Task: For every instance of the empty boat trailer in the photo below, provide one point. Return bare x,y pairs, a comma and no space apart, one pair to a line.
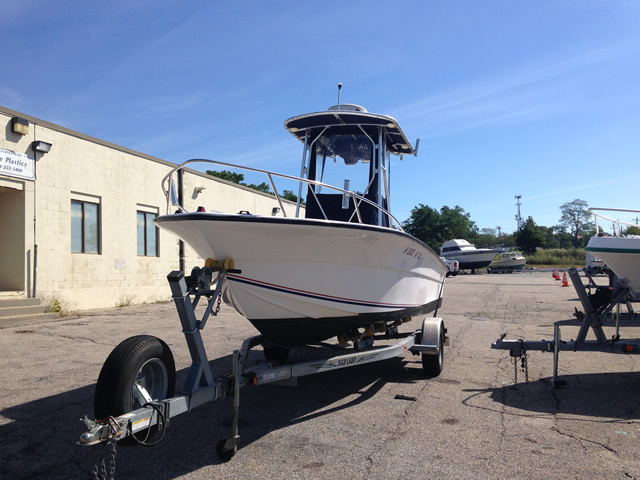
597,309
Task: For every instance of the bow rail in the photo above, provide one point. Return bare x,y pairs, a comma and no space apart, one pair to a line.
168,188
616,223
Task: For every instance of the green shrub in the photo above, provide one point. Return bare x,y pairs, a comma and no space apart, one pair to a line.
559,257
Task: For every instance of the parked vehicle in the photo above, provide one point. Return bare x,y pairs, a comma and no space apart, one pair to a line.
453,266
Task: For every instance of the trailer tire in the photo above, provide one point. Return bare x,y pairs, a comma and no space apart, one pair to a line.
432,365
141,360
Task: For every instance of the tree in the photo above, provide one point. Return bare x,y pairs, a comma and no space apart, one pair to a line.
228,176
455,223
576,219
551,239
434,228
529,237
239,179
486,236
289,195
263,187
424,225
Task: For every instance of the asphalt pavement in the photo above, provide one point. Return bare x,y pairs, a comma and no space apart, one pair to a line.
376,421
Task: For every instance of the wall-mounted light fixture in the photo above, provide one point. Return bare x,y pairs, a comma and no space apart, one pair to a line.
197,191
19,125
275,211
40,146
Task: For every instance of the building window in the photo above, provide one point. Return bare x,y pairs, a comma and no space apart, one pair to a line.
85,227
147,234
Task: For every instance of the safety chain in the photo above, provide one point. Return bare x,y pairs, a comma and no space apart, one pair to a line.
524,365
219,302
101,473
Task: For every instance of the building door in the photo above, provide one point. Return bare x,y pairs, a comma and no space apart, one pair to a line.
12,239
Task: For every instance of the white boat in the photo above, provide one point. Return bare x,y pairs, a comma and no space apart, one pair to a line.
508,261
339,264
467,255
619,252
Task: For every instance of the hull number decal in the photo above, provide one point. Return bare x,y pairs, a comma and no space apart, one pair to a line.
412,252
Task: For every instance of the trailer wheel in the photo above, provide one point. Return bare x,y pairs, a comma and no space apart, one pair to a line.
138,370
432,365
224,452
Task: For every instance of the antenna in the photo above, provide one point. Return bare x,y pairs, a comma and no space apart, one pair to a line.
339,88
518,217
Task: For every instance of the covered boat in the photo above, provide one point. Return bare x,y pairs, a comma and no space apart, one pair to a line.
341,261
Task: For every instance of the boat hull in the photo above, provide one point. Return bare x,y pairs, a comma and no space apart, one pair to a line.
621,255
507,266
304,281
473,259
508,262
466,254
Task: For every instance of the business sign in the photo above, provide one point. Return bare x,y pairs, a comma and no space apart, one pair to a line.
16,165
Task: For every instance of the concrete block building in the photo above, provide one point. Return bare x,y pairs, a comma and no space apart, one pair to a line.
76,217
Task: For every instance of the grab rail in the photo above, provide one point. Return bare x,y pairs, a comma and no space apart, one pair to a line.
616,223
167,185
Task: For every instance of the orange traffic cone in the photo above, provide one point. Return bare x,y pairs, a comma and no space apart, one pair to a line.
564,280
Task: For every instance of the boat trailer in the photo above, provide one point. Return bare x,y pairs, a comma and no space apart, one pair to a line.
131,400
598,307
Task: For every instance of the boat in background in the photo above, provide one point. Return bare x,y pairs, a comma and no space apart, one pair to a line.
469,257
619,252
341,262
508,262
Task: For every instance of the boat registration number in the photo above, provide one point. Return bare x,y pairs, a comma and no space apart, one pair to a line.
412,252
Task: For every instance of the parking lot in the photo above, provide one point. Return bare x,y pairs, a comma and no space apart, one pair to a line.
377,421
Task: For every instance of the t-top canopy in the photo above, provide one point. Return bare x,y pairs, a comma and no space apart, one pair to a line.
349,121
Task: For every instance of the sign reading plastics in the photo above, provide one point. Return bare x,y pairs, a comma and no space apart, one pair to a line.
16,164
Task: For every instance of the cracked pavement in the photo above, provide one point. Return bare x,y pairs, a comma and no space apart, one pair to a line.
376,421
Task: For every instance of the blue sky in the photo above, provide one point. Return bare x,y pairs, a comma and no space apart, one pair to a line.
533,98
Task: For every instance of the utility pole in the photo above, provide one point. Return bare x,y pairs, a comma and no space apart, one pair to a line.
518,217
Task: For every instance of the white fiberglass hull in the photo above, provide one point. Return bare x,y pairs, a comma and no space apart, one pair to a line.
621,255
509,263
470,259
307,280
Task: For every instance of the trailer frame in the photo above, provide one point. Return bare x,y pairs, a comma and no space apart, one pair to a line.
593,318
201,387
